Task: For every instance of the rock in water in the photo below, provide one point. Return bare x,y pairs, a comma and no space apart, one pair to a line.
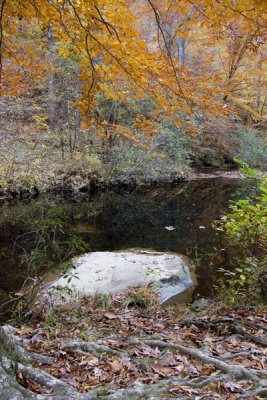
113,272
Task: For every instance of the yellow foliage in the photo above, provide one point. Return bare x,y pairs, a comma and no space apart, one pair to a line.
256,116
109,40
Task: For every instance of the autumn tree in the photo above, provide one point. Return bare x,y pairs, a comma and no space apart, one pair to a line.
117,59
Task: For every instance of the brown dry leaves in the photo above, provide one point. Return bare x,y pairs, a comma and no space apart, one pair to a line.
117,328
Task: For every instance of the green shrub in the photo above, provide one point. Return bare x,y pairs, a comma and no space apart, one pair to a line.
45,239
245,229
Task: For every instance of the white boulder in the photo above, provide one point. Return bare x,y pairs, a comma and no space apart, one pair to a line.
112,272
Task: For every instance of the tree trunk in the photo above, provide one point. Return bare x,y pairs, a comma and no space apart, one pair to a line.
51,86
181,50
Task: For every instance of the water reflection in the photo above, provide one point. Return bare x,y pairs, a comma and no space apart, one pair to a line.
121,220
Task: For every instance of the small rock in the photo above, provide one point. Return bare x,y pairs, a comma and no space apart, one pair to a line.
201,303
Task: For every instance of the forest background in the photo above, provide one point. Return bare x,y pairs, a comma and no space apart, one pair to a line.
129,91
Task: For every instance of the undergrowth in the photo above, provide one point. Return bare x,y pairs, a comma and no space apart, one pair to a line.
245,238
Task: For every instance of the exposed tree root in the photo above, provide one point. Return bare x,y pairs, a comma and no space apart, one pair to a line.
94,348
234,326
234,372
44,379
57,389
235,355
253,338
254,325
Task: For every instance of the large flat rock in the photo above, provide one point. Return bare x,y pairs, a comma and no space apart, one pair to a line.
112,272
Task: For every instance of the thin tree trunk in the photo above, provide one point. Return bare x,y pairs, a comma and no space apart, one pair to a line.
181,50
51,85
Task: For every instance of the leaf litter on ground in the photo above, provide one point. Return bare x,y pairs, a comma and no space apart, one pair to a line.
92,346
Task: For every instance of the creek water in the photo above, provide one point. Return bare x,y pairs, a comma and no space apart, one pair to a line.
118,220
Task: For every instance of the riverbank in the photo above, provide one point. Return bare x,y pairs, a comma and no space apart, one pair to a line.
125,346
74,184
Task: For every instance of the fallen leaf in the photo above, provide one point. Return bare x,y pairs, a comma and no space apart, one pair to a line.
161,370
169,228
115,365
110,315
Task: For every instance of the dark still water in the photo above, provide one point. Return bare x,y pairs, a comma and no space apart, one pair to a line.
114,221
